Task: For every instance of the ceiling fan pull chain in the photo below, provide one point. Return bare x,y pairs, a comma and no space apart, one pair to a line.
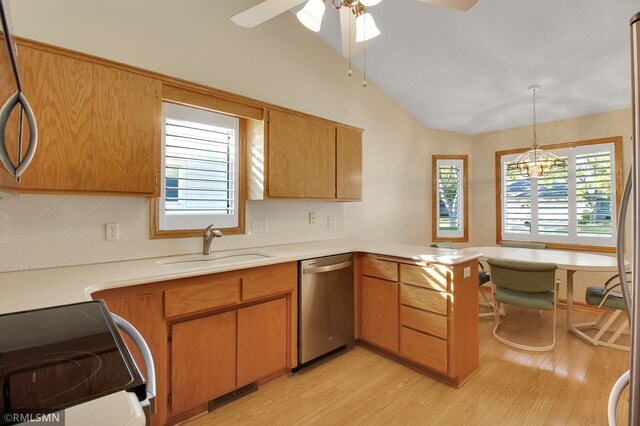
364,59
350,71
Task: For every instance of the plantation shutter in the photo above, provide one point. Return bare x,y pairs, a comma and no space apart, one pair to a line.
450,198
200,184
516,201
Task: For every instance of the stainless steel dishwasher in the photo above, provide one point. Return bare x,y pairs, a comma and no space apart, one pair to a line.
325,296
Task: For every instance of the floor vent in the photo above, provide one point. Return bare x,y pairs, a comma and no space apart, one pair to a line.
232,396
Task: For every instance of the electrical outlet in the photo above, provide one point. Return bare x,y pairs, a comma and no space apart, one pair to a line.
312,218
258,226
331,222
112,231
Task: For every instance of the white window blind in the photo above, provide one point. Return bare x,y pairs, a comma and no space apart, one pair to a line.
574,204
594,189
200,169
450,198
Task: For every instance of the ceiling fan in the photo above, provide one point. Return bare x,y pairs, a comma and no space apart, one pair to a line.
350,10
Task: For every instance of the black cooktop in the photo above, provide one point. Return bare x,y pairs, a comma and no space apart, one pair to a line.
54,358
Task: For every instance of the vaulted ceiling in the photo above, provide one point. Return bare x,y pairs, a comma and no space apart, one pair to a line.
469,71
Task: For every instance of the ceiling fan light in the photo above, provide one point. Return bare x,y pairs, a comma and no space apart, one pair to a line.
311,15
369,2
366,28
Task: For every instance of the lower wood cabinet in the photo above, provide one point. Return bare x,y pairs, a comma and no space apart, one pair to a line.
262,340
423,313
203,360
211,334
380,312
424,349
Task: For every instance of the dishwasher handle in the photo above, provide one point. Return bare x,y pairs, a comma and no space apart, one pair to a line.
328,268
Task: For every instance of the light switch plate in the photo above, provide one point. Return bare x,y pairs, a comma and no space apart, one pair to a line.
312,218
258,226
467,272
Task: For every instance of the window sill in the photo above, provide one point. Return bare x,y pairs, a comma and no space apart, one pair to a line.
157,234
576,247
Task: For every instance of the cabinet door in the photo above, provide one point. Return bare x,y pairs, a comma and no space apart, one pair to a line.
349,164
126,126
59,91
320,148
7,88
203,360
145,312
286,162
262,340
379,309
301,157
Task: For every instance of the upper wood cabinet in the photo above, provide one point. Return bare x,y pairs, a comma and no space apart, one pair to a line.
125,126
7,87
307,157
100,131
301,157
348,163
59,91
98,126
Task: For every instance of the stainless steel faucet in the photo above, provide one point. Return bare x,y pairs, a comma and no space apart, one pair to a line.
207,237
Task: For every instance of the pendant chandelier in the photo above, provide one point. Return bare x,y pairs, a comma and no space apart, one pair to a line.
536,162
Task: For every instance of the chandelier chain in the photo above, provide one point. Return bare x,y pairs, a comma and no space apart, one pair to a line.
535,134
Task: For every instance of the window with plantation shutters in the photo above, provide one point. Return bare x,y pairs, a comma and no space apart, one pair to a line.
200,169
449,198
574,204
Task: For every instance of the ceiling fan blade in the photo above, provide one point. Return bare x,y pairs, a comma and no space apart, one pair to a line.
262,12
453,4
349,37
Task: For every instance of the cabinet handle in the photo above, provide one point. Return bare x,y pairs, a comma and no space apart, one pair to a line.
328,268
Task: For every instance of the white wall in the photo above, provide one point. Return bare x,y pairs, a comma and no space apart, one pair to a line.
280,62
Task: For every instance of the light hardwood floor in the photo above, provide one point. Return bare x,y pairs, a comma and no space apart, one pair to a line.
569,385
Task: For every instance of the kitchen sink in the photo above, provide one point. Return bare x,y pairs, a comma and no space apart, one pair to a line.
201,261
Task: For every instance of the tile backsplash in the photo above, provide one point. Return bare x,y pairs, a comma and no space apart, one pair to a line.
41,231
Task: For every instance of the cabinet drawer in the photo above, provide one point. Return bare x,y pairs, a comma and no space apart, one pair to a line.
423,349
201,297
380,269
429,300
424,321
424,276
270,280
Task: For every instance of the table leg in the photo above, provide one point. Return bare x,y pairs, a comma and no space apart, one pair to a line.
571,327
570,300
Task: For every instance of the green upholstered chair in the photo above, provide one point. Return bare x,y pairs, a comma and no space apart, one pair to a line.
526,284
612,323
523,244
483,276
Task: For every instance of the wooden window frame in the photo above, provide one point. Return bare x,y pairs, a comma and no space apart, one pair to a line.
434,197
206,102
617,142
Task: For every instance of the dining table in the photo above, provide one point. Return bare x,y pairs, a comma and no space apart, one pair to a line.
567,260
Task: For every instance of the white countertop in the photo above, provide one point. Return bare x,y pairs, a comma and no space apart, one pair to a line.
33,289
